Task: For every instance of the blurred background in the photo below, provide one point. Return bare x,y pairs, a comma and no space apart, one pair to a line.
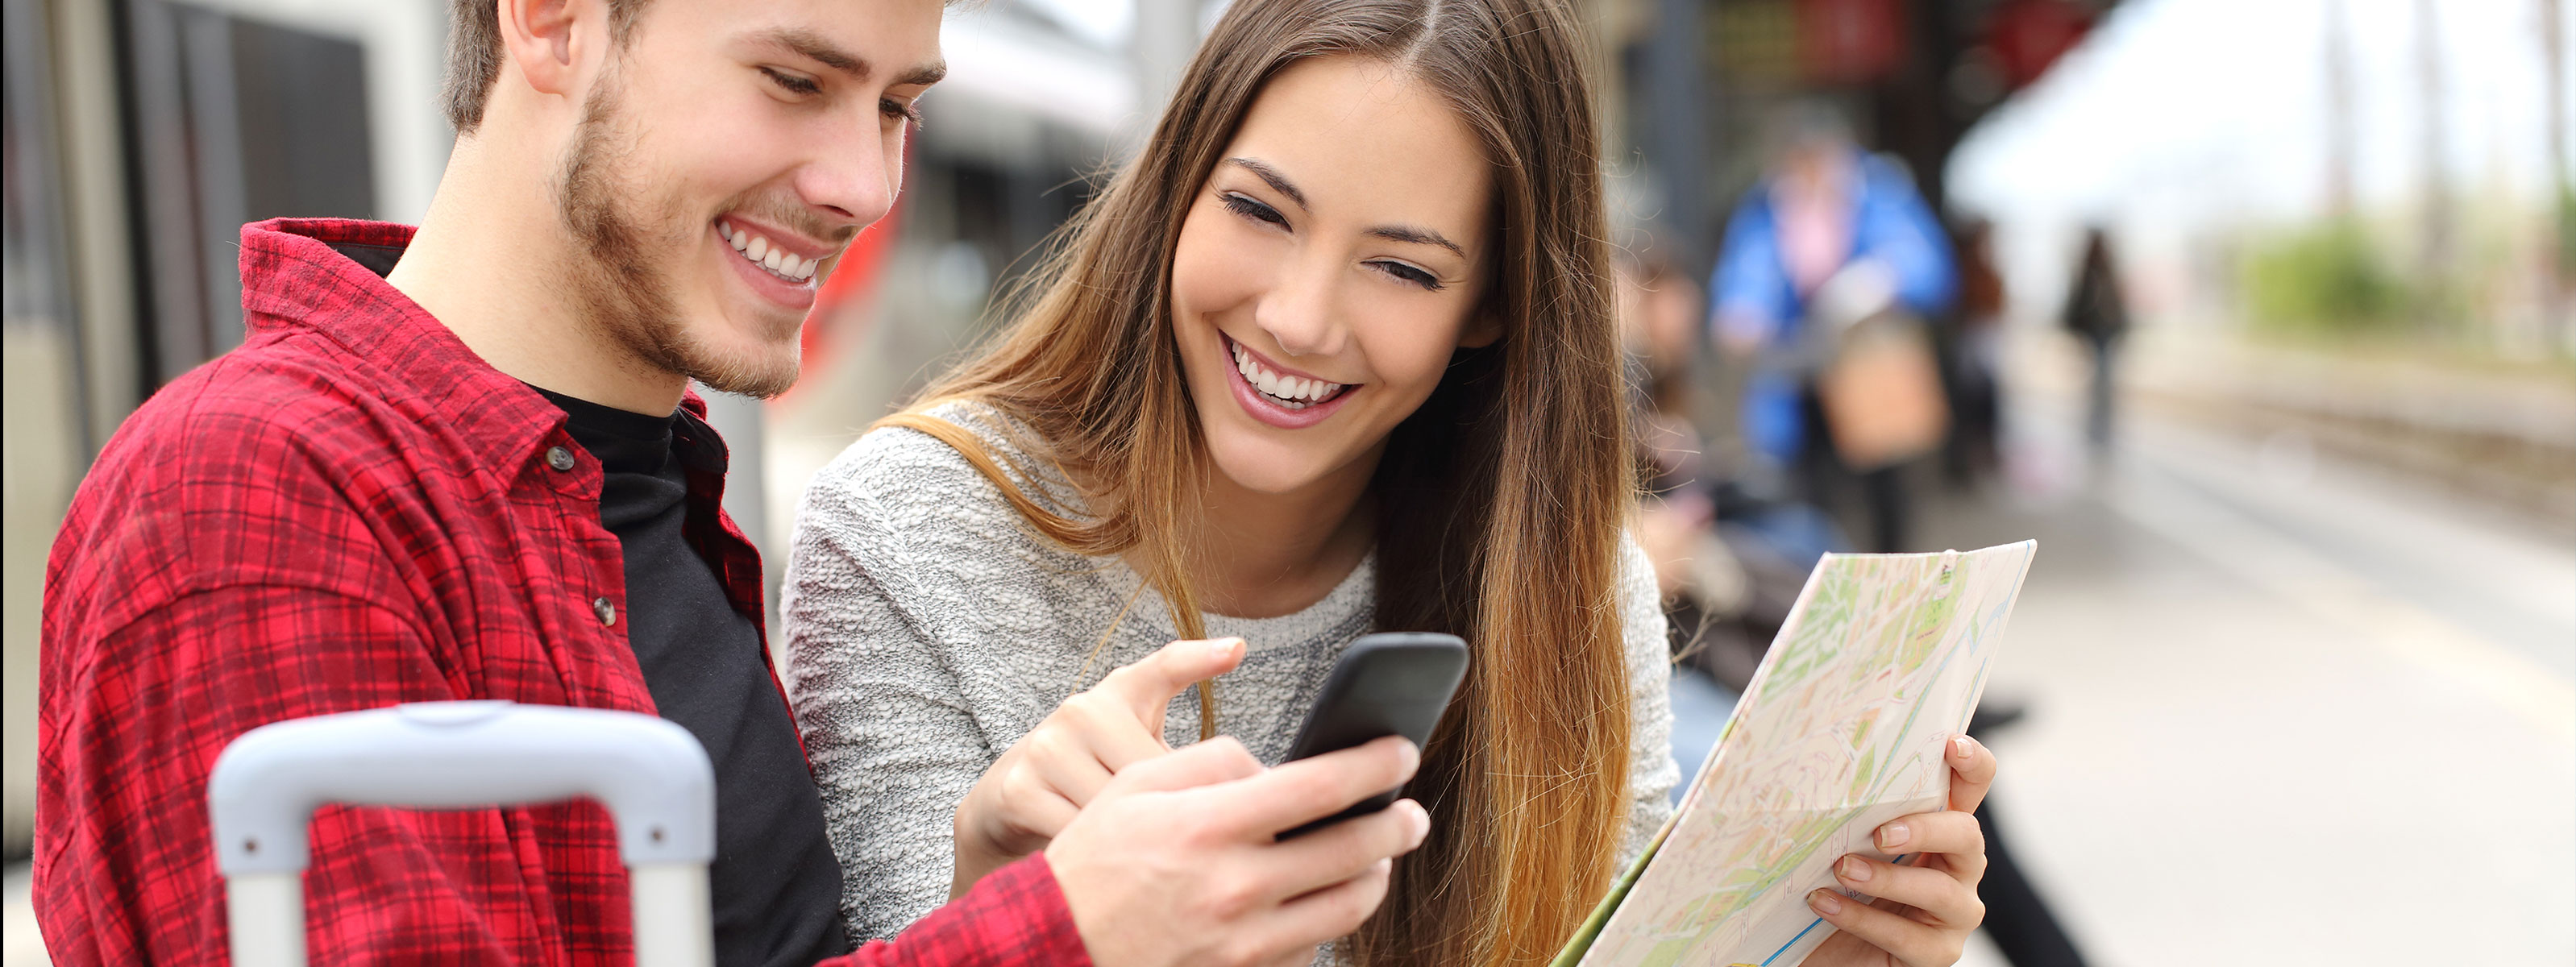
2260,315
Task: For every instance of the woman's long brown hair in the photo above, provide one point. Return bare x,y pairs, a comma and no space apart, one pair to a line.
1500,501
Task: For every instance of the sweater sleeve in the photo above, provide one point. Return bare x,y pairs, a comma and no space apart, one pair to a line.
887,726
1652,773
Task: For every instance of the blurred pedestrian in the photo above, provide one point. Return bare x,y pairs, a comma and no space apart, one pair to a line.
1974,358
1829,265
2098,315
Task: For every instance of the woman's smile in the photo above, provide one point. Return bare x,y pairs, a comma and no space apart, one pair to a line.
1279,396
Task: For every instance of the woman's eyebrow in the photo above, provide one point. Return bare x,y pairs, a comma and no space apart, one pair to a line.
1419,236
1400,233
1278,182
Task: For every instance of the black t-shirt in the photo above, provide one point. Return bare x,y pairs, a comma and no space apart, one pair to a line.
776,886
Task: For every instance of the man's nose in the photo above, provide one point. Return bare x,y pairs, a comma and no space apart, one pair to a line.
1298,311
854,174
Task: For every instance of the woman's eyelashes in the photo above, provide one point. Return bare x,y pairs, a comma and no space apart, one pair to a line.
1256,211
1253,210
1410,274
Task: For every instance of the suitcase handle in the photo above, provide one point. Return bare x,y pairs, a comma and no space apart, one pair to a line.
650,773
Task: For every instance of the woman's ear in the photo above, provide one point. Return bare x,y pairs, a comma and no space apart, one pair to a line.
548,40
1482,330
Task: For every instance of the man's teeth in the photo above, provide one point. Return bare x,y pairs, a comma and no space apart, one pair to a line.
1294,392
780,262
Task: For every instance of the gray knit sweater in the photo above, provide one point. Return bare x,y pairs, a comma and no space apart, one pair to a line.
929,629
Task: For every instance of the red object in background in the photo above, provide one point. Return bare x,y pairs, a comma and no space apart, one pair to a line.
2026,36
855,275
853,279
1850,41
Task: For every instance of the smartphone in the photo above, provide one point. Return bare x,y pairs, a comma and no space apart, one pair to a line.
1394,683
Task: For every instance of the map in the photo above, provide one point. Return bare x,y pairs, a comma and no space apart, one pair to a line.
1879,664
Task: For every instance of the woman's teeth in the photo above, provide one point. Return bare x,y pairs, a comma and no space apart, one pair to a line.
1291,392
778,261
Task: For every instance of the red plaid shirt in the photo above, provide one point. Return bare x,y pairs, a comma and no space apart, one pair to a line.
353,510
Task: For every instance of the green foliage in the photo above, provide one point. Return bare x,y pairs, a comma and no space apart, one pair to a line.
2325,280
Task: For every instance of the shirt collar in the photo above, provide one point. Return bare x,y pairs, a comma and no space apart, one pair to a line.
296,278
293,280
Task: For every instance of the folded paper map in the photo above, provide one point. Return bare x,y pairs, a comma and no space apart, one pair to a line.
1842,728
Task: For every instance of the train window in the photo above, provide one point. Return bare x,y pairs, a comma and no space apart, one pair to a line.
44,430
233,120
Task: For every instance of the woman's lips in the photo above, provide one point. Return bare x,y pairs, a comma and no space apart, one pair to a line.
1271,410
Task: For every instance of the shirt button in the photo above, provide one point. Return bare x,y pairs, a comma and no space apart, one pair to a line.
559,458
606,611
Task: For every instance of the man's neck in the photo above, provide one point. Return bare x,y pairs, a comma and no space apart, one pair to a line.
487,264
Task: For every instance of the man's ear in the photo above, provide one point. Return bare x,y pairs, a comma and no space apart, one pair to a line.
1482,330
550,41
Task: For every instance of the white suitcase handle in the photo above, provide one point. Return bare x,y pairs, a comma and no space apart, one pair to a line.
650,773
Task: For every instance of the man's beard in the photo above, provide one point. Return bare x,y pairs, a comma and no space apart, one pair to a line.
625,290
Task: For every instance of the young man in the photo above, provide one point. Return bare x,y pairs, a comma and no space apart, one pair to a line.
462,462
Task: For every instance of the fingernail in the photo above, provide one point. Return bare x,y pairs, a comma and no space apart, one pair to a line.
1854,870
1222,648
1962,746
1421,823
1825,902
1892,836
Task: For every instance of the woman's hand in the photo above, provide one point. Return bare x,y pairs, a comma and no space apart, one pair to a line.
1034,789
1926,906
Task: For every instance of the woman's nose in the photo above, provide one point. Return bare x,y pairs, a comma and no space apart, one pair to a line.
1298,313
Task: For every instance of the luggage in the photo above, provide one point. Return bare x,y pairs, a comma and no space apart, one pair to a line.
651,774
1882,394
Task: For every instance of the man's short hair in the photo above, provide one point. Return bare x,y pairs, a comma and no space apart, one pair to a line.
474,53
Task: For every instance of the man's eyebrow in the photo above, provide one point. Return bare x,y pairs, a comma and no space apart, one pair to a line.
1422,236
815,47
924,75
1278,182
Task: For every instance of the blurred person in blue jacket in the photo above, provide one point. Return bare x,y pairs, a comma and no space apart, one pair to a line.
1829,237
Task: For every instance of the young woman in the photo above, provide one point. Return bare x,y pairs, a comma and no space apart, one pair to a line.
1334,354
